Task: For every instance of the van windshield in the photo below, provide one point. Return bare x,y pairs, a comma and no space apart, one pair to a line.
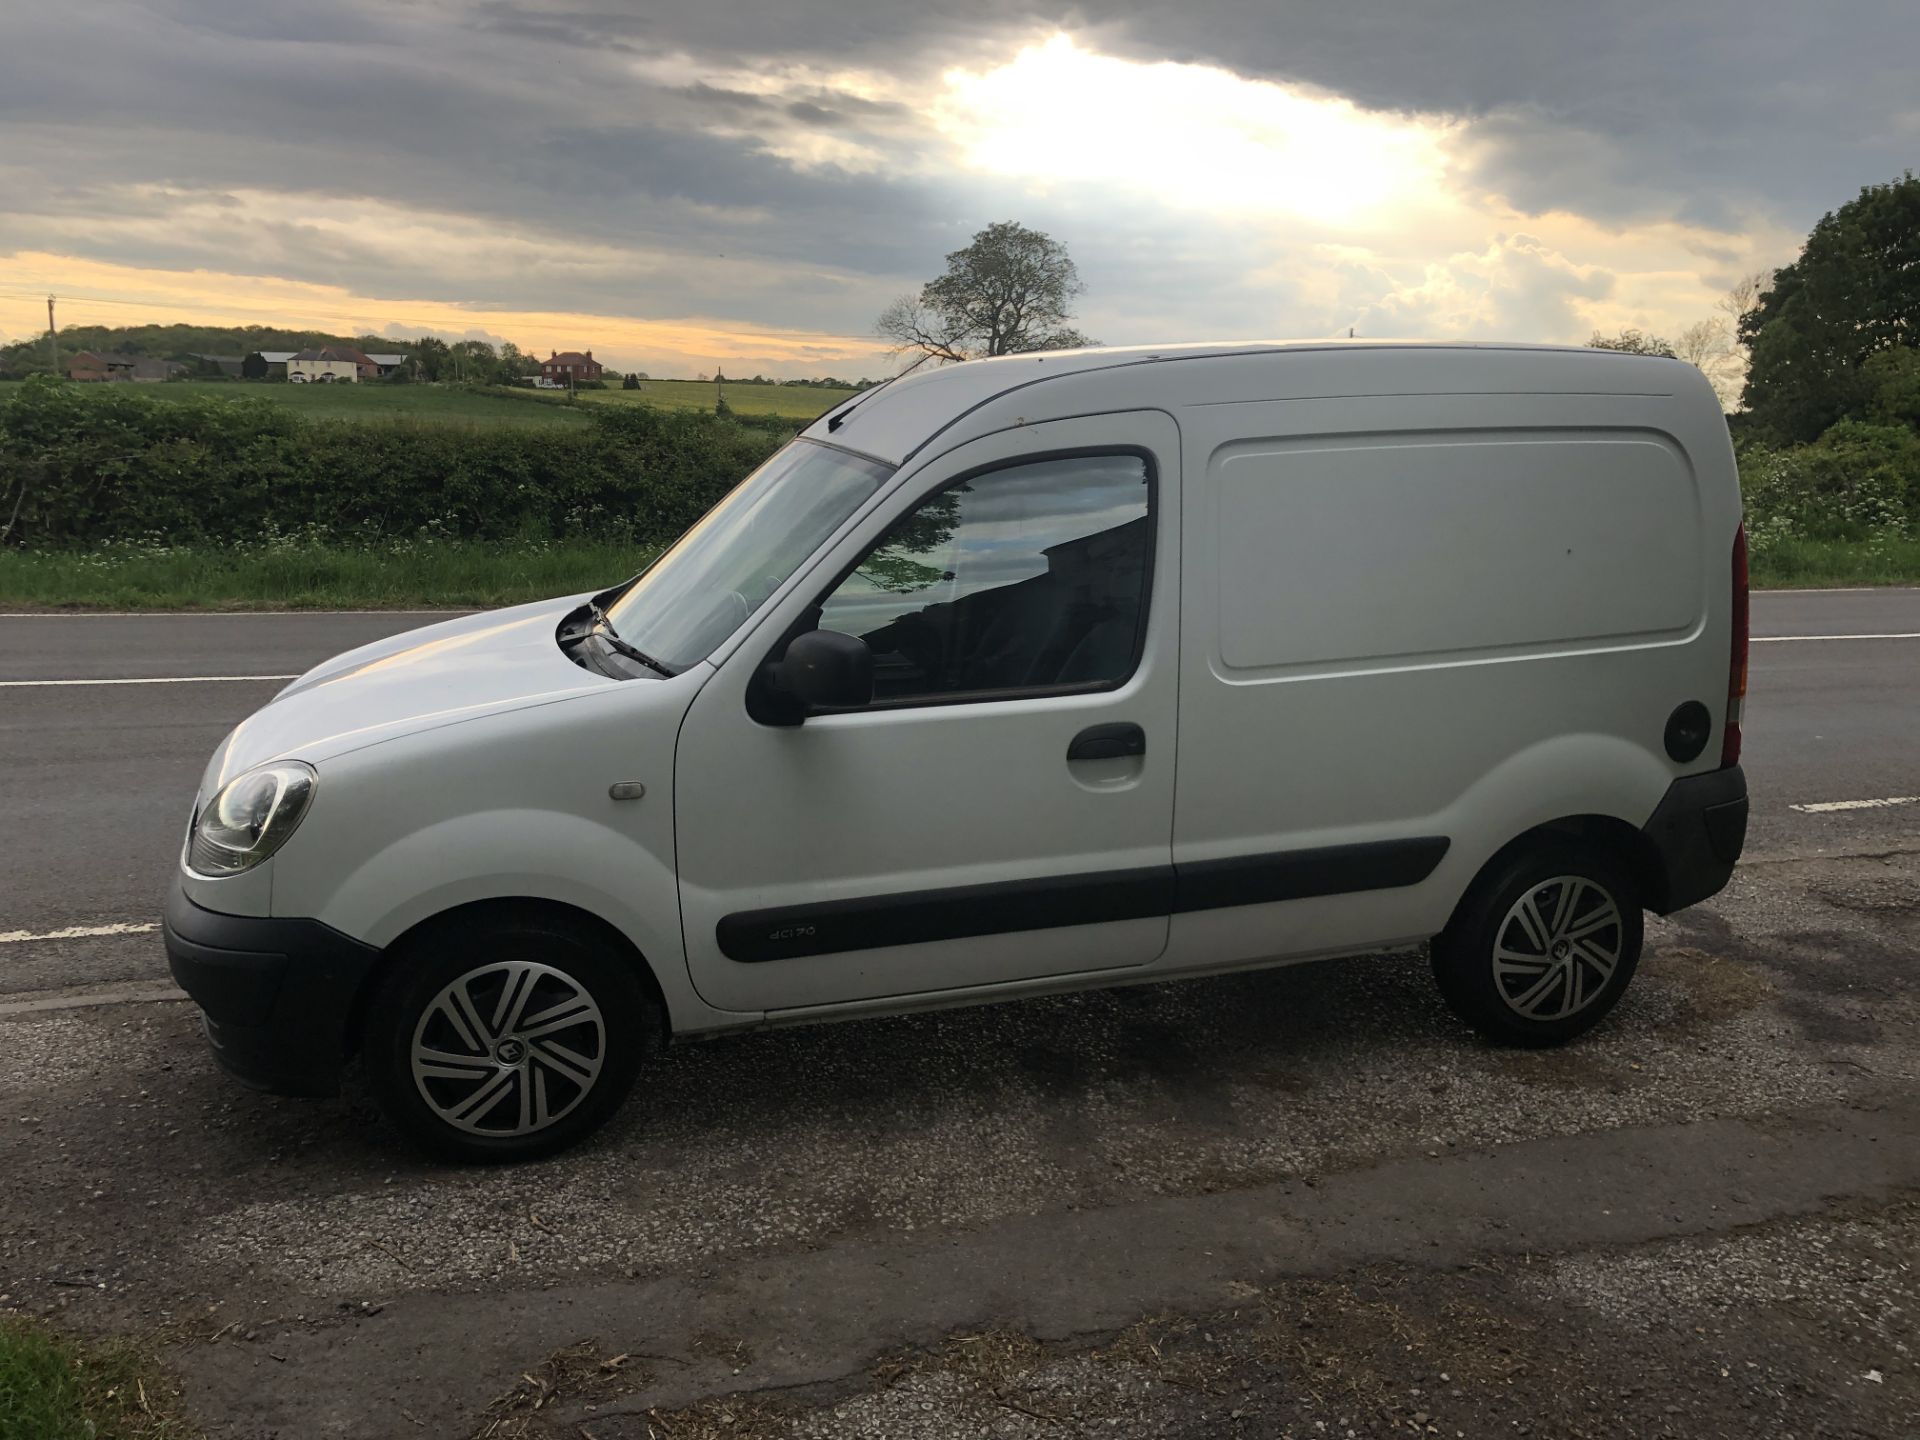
722,570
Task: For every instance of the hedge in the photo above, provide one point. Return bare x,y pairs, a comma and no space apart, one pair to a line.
1856,483
78,469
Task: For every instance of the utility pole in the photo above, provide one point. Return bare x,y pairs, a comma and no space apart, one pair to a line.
53,336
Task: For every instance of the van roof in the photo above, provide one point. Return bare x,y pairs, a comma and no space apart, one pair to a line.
893,421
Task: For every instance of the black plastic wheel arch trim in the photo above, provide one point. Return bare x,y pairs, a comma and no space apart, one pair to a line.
917,917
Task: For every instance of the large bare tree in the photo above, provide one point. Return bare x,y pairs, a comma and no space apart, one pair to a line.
1008,292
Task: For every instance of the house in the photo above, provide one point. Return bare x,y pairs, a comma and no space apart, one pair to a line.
105,365
568,367
331,364
100,365
387,364
266,365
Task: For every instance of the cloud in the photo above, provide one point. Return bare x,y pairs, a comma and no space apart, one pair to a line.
1223,167
1516,286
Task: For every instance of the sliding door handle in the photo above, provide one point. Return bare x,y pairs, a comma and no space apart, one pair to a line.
1108,742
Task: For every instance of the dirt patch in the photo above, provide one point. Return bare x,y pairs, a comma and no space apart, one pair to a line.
1800,1328
1718,987
578,1374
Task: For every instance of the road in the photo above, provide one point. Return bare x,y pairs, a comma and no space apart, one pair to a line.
98,777
1183,1210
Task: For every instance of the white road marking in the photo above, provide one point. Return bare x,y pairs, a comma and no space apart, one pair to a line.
1822,807
144,680
158,990
1776,639
77,932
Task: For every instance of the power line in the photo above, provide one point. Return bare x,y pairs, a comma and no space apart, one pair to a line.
90,299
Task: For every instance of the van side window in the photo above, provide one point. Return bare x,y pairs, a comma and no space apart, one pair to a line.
1029,578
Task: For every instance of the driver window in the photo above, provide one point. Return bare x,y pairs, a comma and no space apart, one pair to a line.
1028,578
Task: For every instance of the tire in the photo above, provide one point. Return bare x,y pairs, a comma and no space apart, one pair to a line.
506,1039
1538,974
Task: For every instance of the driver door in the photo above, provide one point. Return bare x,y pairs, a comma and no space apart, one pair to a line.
1003,810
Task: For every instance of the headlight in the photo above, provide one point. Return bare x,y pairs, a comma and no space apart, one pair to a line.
250,818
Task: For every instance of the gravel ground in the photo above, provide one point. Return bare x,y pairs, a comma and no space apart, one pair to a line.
1804,1328
1242,1160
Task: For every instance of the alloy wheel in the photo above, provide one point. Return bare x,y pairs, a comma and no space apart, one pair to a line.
1557,948
508,1049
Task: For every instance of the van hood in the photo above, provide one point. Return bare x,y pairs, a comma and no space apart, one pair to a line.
437,675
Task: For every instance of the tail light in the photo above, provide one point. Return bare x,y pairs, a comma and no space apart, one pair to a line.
1737,655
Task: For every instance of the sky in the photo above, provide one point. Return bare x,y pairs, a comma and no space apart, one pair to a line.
682,184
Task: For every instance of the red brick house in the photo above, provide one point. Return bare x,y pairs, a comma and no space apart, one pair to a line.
568,366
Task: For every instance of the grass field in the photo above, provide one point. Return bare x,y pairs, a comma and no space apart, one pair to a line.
311,576
795,402
391,404
451,405
1813,564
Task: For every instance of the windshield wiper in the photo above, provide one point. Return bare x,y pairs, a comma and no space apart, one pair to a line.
608,636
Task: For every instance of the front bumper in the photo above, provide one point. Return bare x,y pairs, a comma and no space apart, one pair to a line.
1698,832
277,995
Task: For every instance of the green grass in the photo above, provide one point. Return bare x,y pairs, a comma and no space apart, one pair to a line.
1814,564
793,402
54,1388
460,406
378,403
312,575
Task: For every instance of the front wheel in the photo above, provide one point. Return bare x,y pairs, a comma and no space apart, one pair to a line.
1543,945
506,1041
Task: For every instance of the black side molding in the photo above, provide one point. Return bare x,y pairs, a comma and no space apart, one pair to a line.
1301,874
918,916
914,917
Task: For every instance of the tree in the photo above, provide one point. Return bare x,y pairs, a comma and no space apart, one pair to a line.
1008,292
515,364
1854,291
1708,346
632,382
1632,342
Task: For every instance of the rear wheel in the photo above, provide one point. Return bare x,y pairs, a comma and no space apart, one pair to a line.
506,1041
1543,945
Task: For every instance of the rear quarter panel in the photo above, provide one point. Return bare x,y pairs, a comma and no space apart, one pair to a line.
1461,614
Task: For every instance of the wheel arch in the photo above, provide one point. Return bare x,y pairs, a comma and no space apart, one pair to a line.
499,909
1626,844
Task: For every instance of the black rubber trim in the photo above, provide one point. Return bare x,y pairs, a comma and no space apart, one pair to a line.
916,917
1302,874
1698,832
276,993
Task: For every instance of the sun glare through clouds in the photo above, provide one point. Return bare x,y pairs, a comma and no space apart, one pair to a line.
1198,135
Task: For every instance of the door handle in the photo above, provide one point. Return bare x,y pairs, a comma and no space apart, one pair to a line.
1108,742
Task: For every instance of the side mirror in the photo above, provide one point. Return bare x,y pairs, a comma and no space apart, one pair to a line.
822,670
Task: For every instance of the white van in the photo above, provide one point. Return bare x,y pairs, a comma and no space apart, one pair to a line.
1025,675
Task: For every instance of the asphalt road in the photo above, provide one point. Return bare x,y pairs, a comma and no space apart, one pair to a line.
96,780
1299,1202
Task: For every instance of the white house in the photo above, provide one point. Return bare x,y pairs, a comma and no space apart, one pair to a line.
322,367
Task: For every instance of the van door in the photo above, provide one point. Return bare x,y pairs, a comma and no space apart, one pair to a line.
1003,810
